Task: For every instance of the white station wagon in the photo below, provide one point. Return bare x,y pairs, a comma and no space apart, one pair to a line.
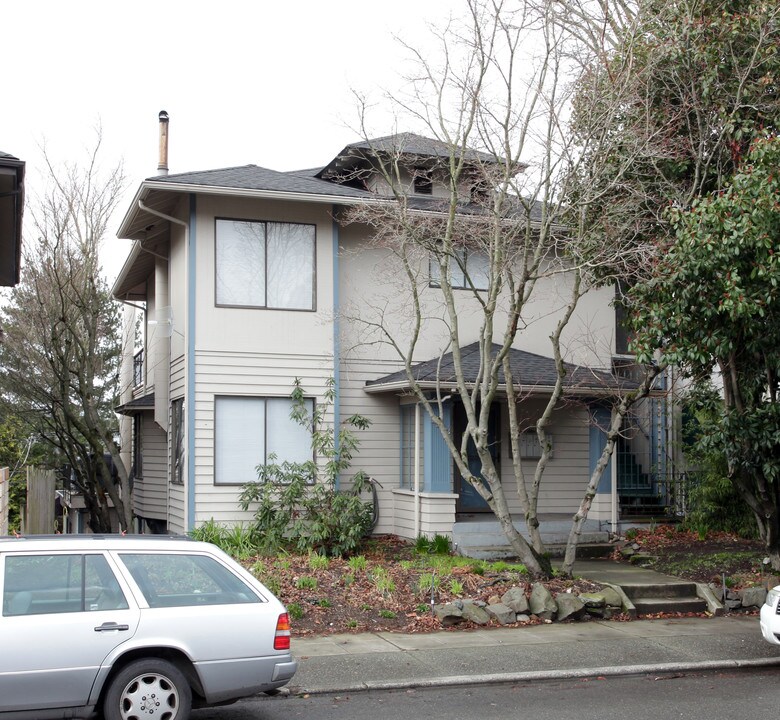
135,627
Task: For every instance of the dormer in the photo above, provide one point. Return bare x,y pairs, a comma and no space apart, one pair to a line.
420,166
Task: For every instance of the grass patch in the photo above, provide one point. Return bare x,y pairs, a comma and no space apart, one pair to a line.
295,610
306,583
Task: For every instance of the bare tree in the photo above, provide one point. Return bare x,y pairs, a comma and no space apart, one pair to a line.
497,106
60,347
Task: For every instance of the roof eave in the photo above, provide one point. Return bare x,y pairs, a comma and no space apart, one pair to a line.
400,386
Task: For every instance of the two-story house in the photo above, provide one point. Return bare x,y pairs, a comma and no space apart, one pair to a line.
244,279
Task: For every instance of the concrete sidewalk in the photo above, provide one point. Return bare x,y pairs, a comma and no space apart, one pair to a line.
350,663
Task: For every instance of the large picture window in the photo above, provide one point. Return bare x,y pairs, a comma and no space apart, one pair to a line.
265,264
477,265
248,431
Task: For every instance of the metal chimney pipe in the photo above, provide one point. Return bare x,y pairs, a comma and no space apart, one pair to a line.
162,165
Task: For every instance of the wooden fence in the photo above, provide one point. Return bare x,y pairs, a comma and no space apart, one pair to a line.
5,491
39,515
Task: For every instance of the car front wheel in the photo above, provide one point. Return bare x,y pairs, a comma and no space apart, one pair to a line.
151,688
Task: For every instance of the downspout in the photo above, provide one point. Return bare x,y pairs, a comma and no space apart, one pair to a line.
417,470
336,340
614,504
189,355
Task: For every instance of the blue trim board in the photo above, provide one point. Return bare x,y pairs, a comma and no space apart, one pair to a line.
437,462
336,338
600,418
189,404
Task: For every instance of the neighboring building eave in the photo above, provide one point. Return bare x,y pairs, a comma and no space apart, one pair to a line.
11,213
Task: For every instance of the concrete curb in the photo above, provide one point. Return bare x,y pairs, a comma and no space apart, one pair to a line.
541,675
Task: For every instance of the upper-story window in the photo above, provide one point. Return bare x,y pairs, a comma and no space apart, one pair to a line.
265,264
423,183
477,270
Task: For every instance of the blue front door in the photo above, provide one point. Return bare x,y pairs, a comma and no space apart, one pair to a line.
469,500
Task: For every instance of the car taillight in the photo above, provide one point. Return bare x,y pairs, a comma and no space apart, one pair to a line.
282,636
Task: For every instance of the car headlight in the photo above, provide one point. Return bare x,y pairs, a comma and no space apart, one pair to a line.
772,596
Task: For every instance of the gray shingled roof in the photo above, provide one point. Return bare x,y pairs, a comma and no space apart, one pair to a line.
145,402
254,177
528,370
417,145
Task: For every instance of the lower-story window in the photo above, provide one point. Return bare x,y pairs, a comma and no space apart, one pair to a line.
252,431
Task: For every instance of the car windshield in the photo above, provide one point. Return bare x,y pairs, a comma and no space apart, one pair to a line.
179,580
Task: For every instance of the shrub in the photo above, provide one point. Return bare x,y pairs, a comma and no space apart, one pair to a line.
300,503
318,562
295,610
237,540
357,563
437,545
306,583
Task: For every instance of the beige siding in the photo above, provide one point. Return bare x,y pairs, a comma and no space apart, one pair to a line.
436,514
375,290
379,452
150,492
249,374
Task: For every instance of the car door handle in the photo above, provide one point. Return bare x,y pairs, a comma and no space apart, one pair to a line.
109,626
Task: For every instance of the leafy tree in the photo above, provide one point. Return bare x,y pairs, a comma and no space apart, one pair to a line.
713,501
671,99
18,449
300,503
60,345
715,303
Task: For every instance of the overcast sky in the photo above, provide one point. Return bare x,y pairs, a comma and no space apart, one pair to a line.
249,81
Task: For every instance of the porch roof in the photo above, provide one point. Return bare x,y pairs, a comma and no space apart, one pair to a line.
139,404
532,373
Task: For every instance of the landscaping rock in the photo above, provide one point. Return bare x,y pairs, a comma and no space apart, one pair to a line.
449,614
753,597
593,600
612,597
542,603
523,618
569,606
475,613
504,614
515,598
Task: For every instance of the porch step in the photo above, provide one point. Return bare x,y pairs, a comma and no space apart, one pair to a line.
665,597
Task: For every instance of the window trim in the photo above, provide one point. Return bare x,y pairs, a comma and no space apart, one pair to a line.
177,441
464,286
138,451
218,304
265,398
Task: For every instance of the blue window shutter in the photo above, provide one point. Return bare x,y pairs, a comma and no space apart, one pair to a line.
437,463
599,419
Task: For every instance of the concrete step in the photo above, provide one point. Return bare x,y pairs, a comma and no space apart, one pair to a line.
664,597
660,590
651,605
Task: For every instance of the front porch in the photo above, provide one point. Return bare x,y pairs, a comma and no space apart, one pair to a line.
480,536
